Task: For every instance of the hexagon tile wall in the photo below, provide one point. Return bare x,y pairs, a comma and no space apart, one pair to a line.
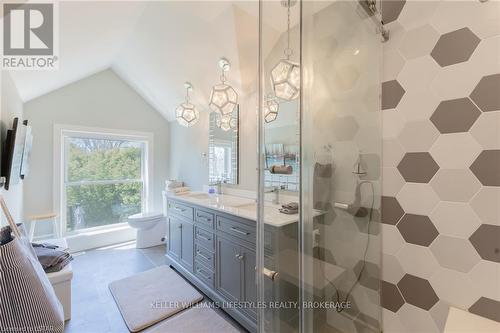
441,223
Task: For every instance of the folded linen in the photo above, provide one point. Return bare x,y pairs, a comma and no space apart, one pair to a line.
289,211
51,257
179,190
291,206
171,184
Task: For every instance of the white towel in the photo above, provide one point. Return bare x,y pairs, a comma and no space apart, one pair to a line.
171,184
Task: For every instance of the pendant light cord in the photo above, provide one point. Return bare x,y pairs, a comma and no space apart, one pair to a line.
288,51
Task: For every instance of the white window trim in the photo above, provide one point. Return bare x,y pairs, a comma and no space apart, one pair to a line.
61,131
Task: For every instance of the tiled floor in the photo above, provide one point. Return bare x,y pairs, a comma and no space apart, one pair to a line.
94,310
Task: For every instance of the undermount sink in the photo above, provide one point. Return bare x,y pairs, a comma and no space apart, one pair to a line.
199,196
252,206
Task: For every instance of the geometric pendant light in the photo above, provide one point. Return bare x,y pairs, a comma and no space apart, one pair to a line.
226,122
285,76
223,99
271,108
186,114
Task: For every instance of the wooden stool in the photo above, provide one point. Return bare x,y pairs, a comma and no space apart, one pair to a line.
36,218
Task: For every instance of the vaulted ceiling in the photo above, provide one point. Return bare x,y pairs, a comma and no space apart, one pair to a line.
156,46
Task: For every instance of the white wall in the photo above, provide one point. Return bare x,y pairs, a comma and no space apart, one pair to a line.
102,100
12,106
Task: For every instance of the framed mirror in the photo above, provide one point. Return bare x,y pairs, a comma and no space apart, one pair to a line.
223,148
282,146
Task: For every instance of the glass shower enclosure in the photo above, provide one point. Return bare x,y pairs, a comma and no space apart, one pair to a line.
319,147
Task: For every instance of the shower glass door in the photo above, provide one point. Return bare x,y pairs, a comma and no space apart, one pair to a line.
321,265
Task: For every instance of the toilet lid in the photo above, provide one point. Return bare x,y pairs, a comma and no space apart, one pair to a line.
145,216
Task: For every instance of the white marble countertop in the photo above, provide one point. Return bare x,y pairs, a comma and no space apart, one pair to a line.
239,206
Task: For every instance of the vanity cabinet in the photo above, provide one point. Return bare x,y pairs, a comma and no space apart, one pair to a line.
216,251
180,245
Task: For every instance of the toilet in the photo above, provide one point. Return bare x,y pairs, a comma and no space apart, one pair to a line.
150,229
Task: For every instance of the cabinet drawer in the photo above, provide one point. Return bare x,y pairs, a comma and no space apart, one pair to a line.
204,219
204,256
180,210
204,238
204,274
236,228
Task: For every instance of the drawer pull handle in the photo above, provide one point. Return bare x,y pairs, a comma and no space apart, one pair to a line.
208,239
239,256
203,256
180,209
240,231
199,271
207,219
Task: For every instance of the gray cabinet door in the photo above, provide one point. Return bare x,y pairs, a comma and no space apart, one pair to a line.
228,269
249,286
187,245
174,237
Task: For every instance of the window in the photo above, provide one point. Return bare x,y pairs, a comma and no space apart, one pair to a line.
104,179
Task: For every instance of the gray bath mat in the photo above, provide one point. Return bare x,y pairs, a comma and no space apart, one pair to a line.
194,320
152,296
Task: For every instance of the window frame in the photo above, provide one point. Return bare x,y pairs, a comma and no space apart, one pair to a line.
61,132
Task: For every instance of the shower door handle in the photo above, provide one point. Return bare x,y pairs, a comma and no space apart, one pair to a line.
273,275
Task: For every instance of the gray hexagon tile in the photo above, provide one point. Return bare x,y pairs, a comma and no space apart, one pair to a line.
457,185
417,292
418,136
417,13
486,130
486,275
418,73
416,320
391,269
391,10
345,128
369,274
418,42
486,307
392,153
418,104
486,204
455,150
455,219
391,210
455,287
417,198
486,167
393,63
455,253
390,297
455,115
485,95
393,242
417,260
392,92
392,181
417,229
486,241
455,47
418,167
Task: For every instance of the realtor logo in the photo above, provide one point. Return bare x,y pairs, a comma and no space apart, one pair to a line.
29,36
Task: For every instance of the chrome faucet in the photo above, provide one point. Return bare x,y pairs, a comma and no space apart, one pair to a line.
217,183
276,191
